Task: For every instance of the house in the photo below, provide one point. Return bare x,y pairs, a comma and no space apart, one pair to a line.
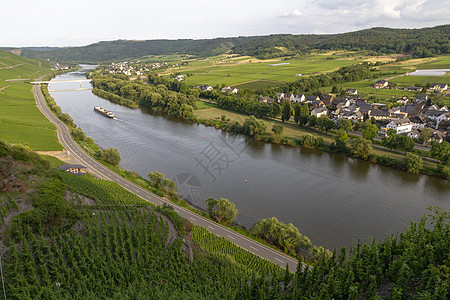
205,87
317,103
289,97
312,98
267,100
320,111
351,91
381,84
400,126
413,88
229,89
414,134
326,99
403,100
444,125
438,87
280,96
350,115
299,98
380,114
420,98
73,169
438,136
419,122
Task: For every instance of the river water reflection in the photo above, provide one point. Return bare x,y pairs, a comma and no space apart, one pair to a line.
332,199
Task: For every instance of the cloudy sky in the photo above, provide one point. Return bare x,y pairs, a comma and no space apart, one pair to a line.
82,22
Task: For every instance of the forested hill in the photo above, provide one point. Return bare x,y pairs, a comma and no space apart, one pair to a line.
416,42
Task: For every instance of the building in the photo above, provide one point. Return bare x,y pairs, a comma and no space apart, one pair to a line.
381,84
400,125
205,87
351,91
413,88
73,169
229,89
438,87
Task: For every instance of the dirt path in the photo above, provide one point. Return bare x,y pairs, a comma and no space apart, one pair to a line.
10,67
4,87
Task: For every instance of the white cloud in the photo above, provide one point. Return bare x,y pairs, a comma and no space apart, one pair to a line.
294,14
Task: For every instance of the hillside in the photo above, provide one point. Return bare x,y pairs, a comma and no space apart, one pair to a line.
416,42
29,126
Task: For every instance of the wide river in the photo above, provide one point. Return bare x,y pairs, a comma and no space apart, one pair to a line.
332,199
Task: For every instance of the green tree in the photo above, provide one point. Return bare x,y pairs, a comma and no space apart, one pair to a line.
370,132
277,129
158,181
425,135
312,120
297,112
325,123
223,210
413,163
341,140
361,148
320,254
275,109
286,114
344,124
254,127
111,156
79,134
440,150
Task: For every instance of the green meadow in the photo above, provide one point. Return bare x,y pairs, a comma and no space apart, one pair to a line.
239,70
20,120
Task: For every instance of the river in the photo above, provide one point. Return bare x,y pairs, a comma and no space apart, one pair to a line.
332,199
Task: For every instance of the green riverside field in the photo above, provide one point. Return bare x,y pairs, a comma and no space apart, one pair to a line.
20,120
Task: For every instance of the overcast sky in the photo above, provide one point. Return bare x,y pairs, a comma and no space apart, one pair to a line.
82,22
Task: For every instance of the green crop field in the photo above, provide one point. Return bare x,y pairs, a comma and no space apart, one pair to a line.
442,62
20,120
258,84
234,71
420,80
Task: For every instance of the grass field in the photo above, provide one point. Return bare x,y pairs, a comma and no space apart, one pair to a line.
20,120
258,84
237,70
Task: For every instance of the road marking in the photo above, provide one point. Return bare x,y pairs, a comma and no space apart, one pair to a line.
279,260
253,248
193,219
231,237
210,227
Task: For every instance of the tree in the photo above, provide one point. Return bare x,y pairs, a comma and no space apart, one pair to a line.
412,163
320,254
341,140
325,123
223,210
308,141
370,132
254,127
312,120
404,143
440,150
158,181
276,109
79,134
304,114
297,112
111,156
286,114
361,148
425,135
277,129
344,124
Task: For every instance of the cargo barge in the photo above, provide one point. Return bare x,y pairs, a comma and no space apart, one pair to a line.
104,112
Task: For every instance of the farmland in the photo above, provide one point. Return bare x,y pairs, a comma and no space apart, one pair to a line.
20,120
231,70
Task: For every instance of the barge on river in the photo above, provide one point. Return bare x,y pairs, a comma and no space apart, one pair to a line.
104,112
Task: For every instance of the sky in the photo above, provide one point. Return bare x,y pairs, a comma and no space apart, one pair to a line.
82,22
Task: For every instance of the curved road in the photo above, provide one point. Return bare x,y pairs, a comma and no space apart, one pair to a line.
103,172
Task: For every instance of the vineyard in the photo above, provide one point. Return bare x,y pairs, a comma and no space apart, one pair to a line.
224,248
103,192
6,206
119,254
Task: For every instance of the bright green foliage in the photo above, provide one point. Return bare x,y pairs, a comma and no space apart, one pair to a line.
370,132
223,210
254,127
277,129
325,123
284,236
224,248
110,155
320,254
413,265
412,163
344,124
158,181
103,192
361,148
286,114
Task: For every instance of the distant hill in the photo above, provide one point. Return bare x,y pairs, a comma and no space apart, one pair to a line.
416,42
